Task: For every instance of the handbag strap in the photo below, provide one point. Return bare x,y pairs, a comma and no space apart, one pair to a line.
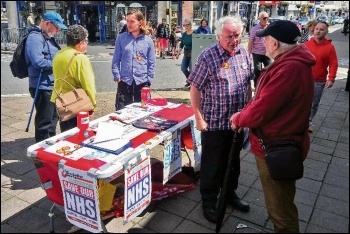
65,74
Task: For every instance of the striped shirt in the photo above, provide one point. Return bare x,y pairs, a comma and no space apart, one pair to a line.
223,81
258,46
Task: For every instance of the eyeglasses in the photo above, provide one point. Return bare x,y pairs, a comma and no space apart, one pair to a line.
230,38
186,25
55,25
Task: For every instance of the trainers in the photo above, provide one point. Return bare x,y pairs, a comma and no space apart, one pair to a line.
187,85
311,129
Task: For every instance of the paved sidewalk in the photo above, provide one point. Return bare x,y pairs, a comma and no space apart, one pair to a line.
322,195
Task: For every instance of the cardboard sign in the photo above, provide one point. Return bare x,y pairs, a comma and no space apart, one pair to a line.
138,187
81,204
172,156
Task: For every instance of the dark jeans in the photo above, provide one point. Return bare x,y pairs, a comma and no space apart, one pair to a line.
128,94
216,146
46,117
69,124
259,60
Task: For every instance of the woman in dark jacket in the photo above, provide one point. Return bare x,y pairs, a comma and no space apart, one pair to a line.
203,28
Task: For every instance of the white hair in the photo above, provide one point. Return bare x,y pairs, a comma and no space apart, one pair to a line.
219,25
286,46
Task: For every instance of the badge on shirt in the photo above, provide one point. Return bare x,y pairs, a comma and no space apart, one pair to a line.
139,58
244,66
225,65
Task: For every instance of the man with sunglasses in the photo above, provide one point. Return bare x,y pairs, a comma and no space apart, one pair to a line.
256,46
40,50
220,87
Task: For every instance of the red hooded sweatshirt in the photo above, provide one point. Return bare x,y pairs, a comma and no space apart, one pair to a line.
325,57
282,104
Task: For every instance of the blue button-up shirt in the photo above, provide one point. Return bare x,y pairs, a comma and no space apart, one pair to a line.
223,81
134,59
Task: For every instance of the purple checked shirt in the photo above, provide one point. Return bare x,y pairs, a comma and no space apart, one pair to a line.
223,81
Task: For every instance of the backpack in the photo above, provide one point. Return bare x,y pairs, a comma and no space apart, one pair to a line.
18,65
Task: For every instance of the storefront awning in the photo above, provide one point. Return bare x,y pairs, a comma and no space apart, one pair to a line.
269,3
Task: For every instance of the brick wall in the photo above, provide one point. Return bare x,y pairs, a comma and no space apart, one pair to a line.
187,10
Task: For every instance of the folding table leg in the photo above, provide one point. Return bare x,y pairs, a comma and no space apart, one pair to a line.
51,216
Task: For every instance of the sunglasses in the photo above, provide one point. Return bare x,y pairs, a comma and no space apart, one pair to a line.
265,18
55,25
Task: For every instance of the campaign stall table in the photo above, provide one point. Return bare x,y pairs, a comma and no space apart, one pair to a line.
78,171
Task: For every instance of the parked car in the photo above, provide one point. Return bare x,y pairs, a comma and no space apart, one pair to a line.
335,20
323,18
303,21
276,18
341,20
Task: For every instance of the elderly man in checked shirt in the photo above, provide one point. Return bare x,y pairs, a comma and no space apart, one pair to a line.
220,86
256,46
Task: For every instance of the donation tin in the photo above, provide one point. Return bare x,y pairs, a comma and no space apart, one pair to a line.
83,123
145,96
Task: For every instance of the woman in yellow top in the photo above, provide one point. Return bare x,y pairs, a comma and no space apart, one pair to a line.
79,74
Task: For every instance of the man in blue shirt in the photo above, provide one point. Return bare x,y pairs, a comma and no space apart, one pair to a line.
134,59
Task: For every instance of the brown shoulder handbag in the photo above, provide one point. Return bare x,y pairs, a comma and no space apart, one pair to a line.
69,104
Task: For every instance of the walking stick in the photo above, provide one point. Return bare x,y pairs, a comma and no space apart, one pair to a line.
34,100
224,190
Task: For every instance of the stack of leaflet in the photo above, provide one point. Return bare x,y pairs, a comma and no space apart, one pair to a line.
108,139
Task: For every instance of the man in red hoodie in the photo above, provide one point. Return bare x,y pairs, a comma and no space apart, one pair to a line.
326,59
280,109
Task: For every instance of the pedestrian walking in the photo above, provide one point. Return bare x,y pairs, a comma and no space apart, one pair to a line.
40,50
133,63
186,46
280,110
220,87
30,20
256,46
72,65
325,69
163,34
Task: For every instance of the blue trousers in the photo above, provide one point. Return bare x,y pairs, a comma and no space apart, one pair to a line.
186,66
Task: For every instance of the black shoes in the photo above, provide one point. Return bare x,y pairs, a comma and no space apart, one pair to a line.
210,213
187,85
236,203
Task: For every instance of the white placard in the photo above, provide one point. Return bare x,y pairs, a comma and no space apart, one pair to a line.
172,156
138,188
197,143
81,203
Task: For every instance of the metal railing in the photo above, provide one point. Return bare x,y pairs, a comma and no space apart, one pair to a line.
10,37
